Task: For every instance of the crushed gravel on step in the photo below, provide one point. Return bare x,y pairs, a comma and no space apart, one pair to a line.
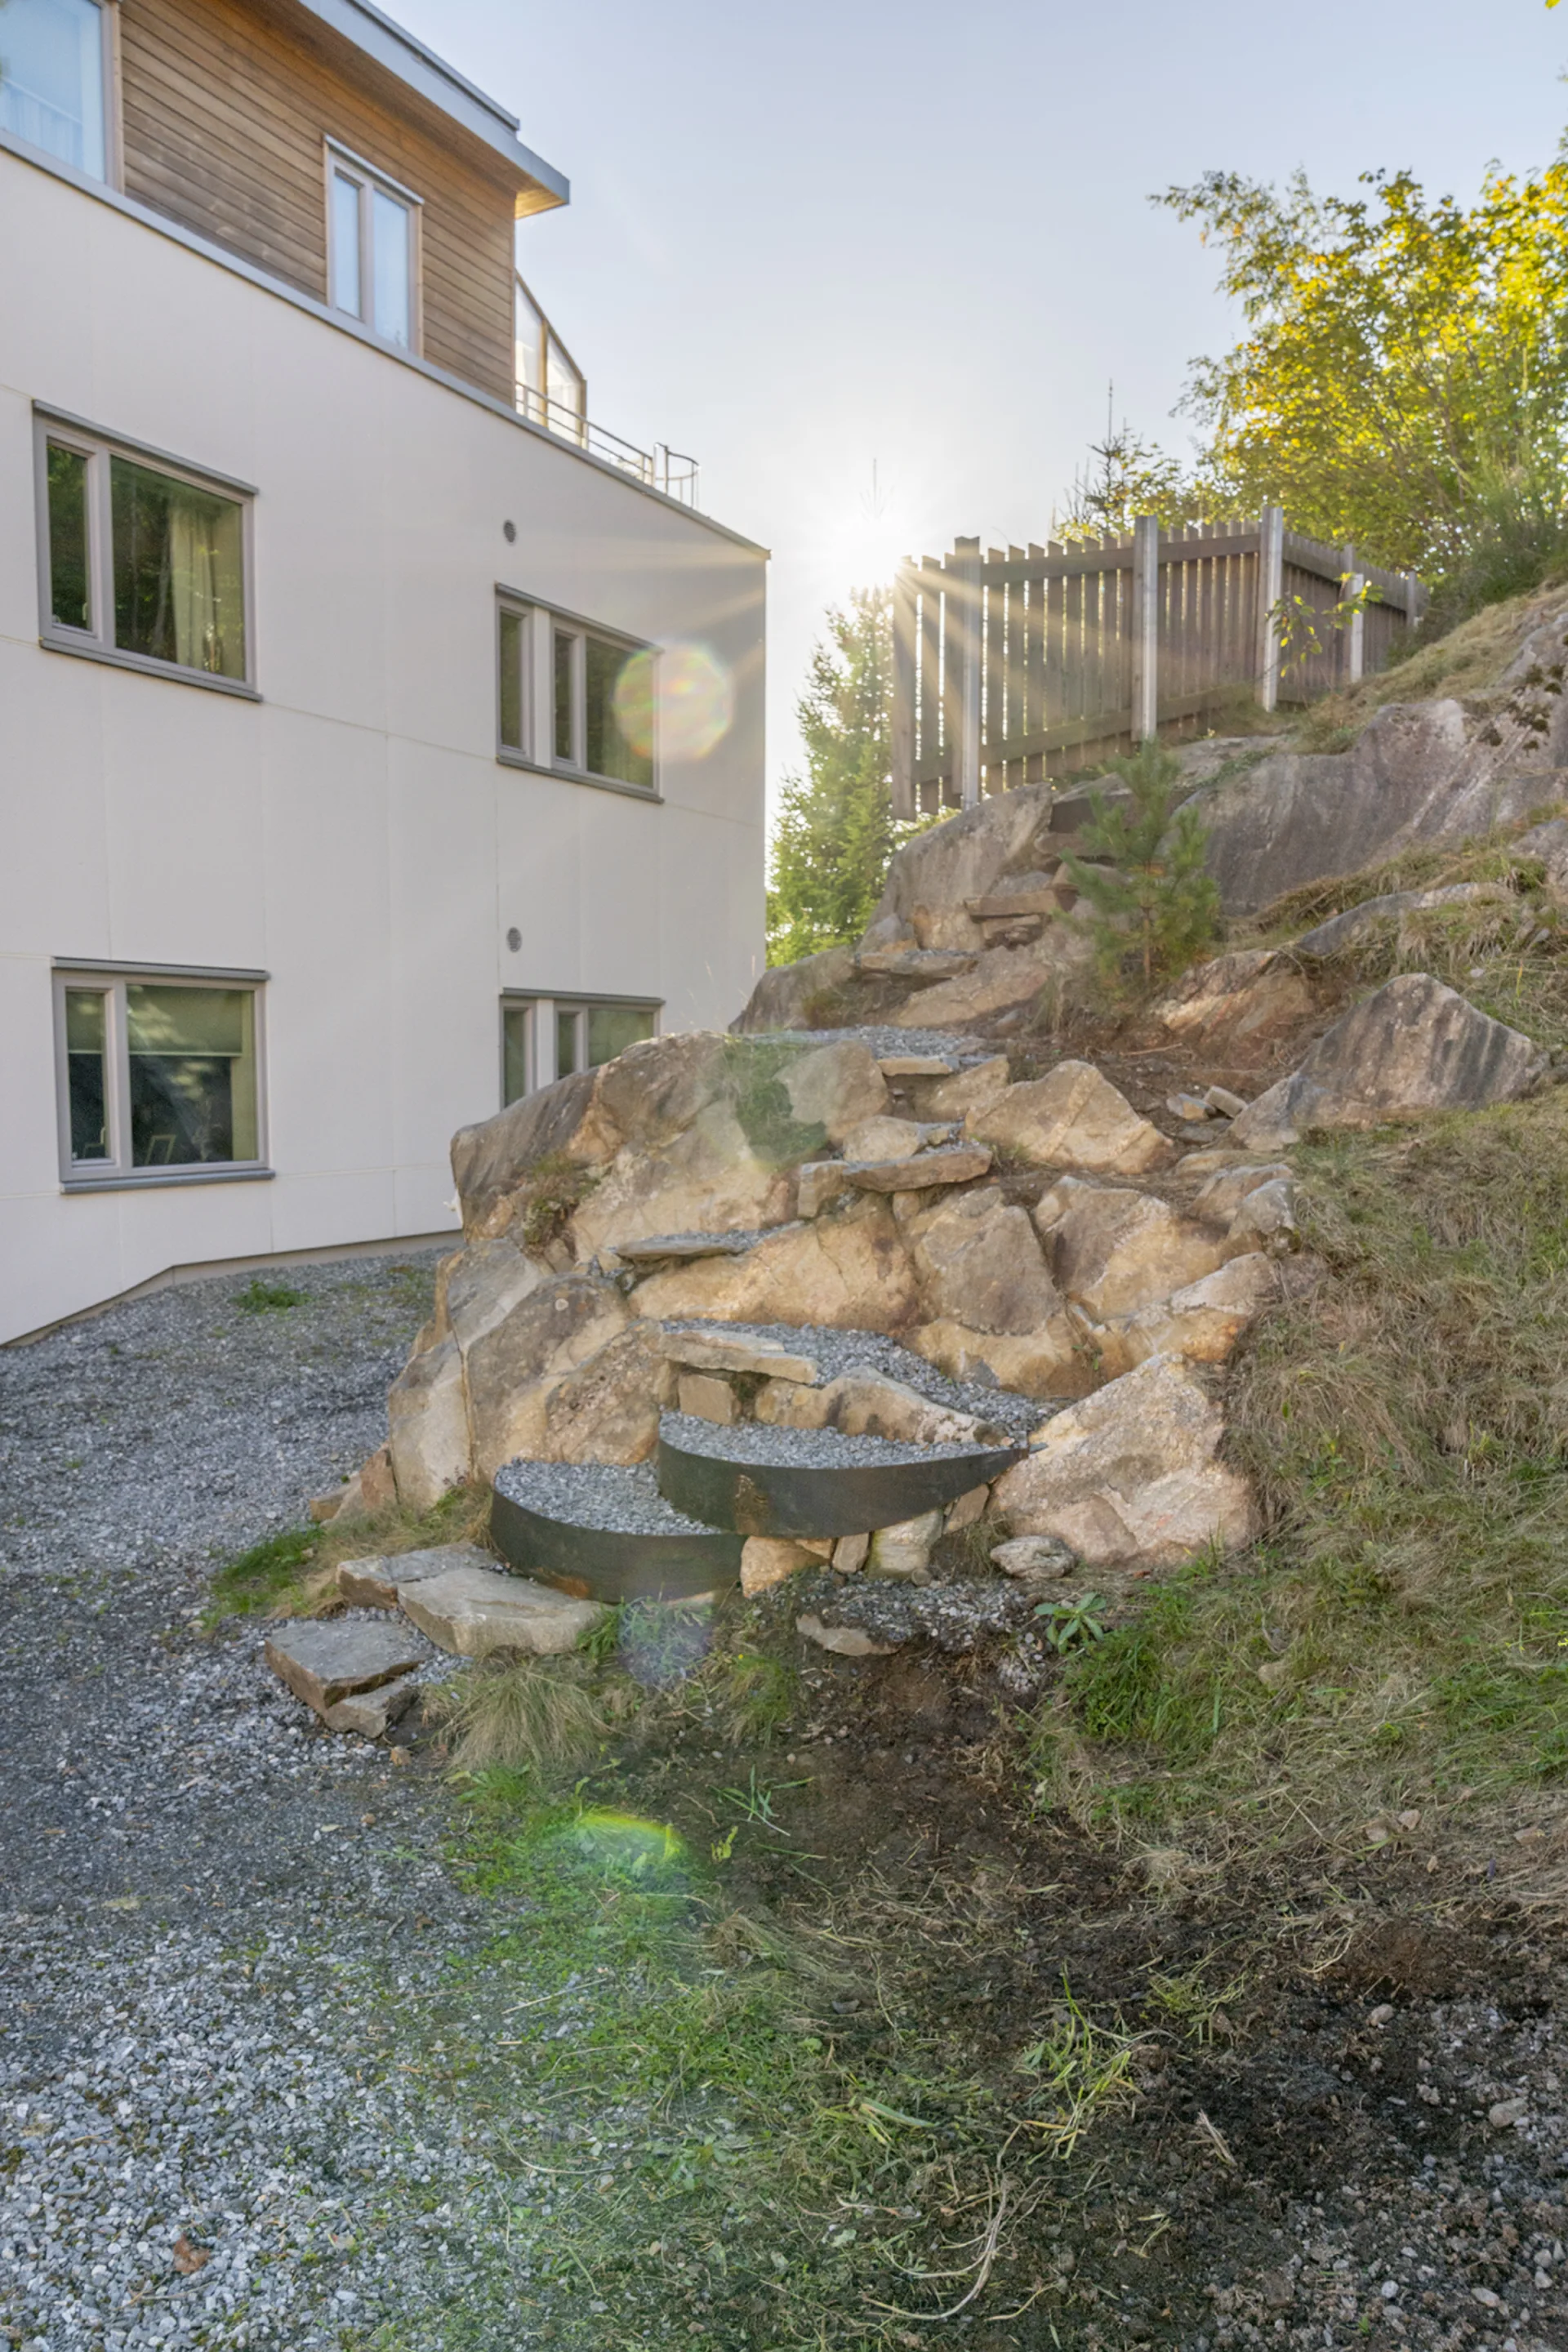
797,1449
836,1352
186,1426
595,1494
885,1042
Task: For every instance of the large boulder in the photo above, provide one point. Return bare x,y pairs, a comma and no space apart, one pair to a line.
427,1426
1072,1118
1413,1046
931,877
835,1087
512,1368
1419,771
1060,958
1048,1363
1234,1000
979,1264
1114,1250
789,995
563,1122
1341,931
707,1179
1201,1323
1129,1476
848,1272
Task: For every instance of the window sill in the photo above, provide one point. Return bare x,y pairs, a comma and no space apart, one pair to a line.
89,649
560,775
153,1180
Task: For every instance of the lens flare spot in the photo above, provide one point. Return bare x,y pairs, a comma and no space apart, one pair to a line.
625,1842
683,700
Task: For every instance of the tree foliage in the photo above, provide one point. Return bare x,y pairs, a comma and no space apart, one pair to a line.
1402,381
1125,476
1154,900
834,832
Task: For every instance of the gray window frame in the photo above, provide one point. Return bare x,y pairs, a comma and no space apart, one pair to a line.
540,1042
541,620
369,177
117,1174
56,427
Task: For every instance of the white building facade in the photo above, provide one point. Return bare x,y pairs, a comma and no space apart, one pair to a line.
369,753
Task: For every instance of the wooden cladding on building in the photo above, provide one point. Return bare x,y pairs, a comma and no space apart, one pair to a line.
227,108
1040,661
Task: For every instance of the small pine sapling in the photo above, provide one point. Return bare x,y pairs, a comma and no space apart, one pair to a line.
1154,895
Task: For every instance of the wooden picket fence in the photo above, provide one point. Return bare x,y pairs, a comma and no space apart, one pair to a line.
1017,666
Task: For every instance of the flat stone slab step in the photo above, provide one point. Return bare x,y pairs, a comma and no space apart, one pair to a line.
605,1532
378,1580
814,1354
472,1611
758,1479
736,1348
325,1663
681,1249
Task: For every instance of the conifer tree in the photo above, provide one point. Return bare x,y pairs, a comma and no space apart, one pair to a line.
1154,900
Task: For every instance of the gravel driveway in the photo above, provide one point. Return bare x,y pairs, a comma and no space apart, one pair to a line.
213,1916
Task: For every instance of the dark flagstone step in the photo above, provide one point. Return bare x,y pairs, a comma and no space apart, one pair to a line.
606,1533
759,1480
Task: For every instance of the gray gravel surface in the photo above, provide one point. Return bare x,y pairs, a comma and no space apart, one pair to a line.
183,1426
836,1352
595,1494
231,1955
810,1449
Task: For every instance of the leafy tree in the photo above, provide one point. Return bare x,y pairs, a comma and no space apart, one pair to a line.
1402,381
834,832
1154,900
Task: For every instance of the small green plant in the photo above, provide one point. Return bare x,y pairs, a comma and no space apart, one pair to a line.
555,1187
1153,899
1082,2068
260,1297
755,1068
1072,1625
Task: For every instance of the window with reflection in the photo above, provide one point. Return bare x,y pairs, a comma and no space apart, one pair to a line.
52,80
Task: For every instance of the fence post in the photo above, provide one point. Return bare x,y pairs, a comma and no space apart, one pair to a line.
967,584
1270,589
903,771
1350,586
1145,628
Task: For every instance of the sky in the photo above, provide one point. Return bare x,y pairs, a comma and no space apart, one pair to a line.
877,265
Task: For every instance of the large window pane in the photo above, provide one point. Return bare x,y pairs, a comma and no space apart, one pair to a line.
345,245
70,583
51,78
514,1021
511,644
86,1044
193,1074
390,258
613,1027
607,752
178,572
565,748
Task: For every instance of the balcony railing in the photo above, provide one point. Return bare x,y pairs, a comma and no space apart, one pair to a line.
659,469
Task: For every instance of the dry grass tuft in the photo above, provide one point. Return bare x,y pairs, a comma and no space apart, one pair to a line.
1466,661
523,1713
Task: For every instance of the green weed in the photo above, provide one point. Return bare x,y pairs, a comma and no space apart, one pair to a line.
260,1297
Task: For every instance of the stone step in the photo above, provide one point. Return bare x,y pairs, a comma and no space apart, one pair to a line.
758,1479
606,1533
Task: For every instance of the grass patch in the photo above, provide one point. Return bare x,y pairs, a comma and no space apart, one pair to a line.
1466,662
755,1067
1403,1630
294,1573
260,1297
555,1188
727,2155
